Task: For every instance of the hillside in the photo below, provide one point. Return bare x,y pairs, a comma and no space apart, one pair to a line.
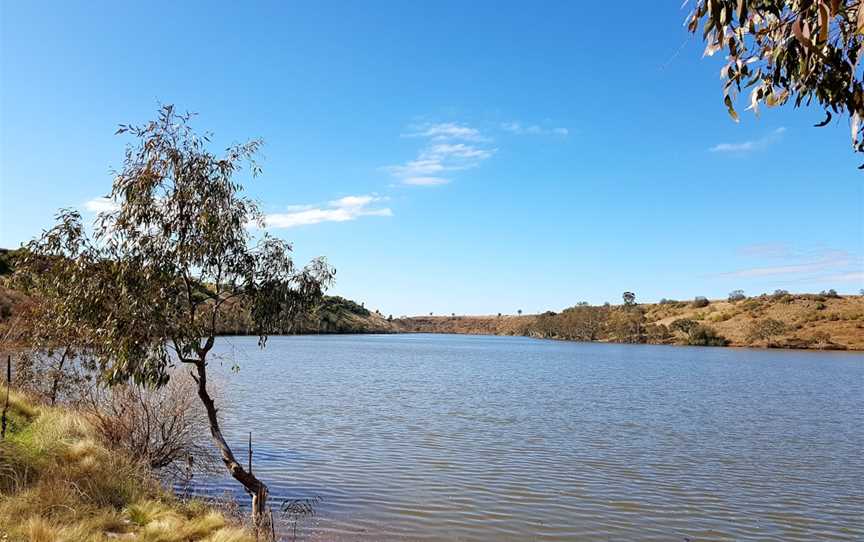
782,320
333,314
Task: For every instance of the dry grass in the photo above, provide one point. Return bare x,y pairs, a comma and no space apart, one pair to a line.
59,483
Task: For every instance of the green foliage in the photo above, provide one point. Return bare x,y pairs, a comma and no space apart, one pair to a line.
700,301
7,261
702,335
340,304
800,50
765,329
736,295
684,325
627,324
629,299
135,295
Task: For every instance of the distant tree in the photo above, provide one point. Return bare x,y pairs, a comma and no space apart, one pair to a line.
684,325
519,312
583,322
627,324
499,315
629,299
703,335
149,290
736,295
765,329
390,318
583,304
452,314
698,334
804,51
700,301
830,293
861,291
430,314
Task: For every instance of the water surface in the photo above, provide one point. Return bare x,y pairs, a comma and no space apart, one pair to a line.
445,437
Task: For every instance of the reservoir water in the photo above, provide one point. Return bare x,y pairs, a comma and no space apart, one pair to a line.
445,437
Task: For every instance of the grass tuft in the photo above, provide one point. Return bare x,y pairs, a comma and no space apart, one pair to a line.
59,483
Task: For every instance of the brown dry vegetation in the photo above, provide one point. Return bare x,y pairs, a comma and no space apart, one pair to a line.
808,321
59,482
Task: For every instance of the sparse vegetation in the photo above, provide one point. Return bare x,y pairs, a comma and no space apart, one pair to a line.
700,301
765,329
703,335
60,482
803,315
736,295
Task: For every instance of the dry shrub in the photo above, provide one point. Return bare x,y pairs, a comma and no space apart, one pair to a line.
60,483
165,428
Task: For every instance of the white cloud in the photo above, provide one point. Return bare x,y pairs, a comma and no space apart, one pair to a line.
339,210
446,130
416,167
425,181
532,129
101,205
449,147
751,145
444,151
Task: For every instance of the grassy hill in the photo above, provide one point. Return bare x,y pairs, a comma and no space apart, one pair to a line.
782,320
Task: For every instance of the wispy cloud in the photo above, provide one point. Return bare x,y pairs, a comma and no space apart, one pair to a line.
100,205
445,130
339,210
784,262
751,145
425,181
766,250
532,129
448,147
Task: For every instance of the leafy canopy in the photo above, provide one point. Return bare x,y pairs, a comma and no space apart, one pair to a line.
801,50
149,285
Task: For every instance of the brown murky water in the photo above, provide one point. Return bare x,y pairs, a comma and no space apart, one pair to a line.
442,437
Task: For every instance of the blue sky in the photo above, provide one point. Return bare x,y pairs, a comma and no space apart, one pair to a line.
468,157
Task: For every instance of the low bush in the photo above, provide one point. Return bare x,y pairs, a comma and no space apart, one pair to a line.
737,295
765,329
703,335
700,302
165,428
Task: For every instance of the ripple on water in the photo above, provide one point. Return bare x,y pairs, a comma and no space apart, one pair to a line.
491,438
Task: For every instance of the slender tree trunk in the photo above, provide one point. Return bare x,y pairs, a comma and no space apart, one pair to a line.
58,375
255,487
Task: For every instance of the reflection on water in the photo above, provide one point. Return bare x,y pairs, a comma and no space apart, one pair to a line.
440,437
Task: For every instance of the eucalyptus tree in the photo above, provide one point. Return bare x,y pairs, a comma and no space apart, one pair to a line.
147,289
803,51
629,299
